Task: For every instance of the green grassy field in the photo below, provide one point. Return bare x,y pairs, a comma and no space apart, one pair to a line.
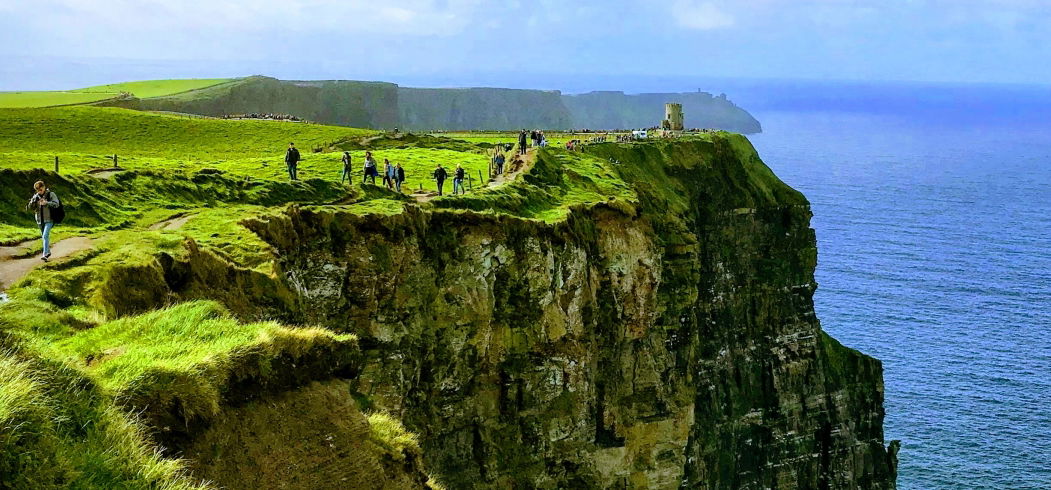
142,89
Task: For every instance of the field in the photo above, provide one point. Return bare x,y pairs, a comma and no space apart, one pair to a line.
143,89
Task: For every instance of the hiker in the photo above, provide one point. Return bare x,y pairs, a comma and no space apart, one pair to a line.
439,176
399,176
46,208
522,142
499,163
458,180
345,177
388,174
370,169
292,160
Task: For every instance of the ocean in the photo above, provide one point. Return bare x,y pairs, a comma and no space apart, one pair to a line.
932,207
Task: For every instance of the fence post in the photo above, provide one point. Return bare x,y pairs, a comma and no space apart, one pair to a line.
56,164
480,181
115,164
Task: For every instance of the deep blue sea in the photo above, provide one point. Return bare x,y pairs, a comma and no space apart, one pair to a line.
932,207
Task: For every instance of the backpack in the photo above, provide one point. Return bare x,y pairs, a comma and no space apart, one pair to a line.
58,214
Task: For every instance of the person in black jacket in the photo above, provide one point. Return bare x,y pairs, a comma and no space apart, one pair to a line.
399,176
439,176
41,204
292,160
522,142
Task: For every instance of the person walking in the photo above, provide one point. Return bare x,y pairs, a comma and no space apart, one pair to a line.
44,204
399,176
388,174
370,169
345,176
439,176
500,163
458,180
292,161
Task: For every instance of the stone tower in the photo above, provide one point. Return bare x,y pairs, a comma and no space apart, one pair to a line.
672,117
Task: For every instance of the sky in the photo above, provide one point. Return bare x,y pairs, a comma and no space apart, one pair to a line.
55,44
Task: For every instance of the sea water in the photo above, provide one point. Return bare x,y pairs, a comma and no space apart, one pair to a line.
933,223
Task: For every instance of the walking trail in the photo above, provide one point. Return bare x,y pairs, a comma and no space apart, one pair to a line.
18,260
518,165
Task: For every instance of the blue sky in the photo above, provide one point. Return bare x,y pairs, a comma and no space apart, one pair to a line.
51,44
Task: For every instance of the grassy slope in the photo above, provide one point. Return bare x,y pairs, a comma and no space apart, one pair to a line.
143,89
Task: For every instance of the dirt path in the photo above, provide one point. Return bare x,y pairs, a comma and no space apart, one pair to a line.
518,165
173,223
16,260
13,269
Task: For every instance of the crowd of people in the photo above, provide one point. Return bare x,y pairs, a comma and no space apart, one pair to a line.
264,115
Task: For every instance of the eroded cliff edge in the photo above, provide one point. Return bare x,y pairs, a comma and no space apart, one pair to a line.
666,341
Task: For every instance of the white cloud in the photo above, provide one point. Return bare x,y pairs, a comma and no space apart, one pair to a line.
703,16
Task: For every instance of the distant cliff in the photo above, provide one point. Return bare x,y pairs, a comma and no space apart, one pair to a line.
622,111
386,105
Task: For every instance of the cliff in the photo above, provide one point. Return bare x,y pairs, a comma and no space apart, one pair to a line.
672,344
633,316
386,105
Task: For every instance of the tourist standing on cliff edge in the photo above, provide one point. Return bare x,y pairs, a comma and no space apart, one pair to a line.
292,160
45,206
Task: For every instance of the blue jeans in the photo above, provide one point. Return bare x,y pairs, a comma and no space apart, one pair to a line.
458,185
45,233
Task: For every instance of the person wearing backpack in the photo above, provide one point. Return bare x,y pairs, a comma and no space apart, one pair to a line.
48,210
458,176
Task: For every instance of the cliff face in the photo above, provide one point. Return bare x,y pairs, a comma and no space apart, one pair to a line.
669,343
386,105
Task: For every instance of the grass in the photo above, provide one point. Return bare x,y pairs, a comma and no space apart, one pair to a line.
389,434
102,132
57,432
143,89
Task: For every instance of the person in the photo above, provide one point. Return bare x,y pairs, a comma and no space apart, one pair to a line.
439,176
458,180
345,177
522,142
500,163
370,169
292,160
388,174
399,176
41,204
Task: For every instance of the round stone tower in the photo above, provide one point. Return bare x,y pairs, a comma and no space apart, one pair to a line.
673,118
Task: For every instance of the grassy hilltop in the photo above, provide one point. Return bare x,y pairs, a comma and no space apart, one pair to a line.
175,314
142,89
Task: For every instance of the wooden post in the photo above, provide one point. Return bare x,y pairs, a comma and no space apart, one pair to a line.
115,164
56,164
480,181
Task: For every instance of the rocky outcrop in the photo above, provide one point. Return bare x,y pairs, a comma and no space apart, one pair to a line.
671,343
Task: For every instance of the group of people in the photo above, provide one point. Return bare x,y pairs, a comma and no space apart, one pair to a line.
393,175
265,115
535,137
440,174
